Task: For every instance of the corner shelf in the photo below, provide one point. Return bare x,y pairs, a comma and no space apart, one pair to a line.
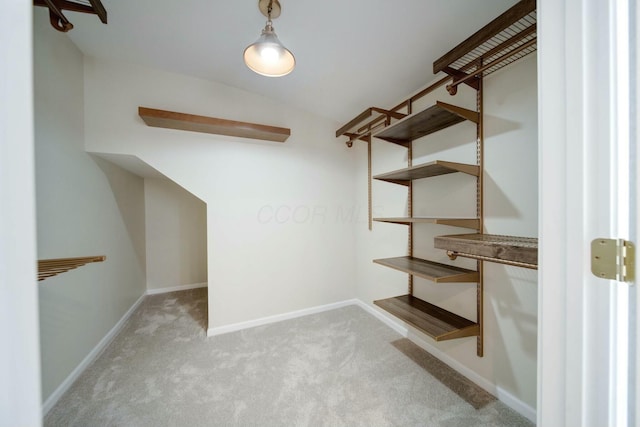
511,250
431,270
194,123
434,321
427,170
435,118
473,223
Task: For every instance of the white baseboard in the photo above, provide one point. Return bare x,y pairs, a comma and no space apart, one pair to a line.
93,354
278,318
176,288
504,396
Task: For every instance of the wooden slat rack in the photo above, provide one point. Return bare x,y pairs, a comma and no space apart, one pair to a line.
52,267
191,122
434,321
511,250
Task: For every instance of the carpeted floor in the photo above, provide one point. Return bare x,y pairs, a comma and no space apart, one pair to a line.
338,368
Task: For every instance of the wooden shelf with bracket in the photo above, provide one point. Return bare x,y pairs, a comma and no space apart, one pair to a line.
432,320
430,270
435,118
427,170
473,223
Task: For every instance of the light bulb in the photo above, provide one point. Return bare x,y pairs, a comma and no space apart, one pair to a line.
270,54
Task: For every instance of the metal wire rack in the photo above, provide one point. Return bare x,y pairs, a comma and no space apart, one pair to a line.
504,40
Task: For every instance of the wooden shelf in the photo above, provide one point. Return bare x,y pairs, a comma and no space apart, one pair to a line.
518,251
426,170
191,122
51,267
473,223
433,119
432,320
431,270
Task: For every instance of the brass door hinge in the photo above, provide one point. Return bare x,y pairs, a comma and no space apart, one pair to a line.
613,259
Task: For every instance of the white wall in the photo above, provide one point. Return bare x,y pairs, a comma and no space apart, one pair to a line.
85,206
510,306
275,240
19,358
176,231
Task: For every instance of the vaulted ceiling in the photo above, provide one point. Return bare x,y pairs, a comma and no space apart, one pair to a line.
351,54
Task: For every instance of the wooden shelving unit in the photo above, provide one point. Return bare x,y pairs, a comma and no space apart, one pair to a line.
473,223
427,170
430,270
504,40
432,320
511,250
194,123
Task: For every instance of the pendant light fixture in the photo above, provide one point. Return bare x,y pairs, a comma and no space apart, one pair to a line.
267,56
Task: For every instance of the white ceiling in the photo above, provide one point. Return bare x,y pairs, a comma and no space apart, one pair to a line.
351,54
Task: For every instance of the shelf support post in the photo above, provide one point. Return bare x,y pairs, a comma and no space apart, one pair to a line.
480,211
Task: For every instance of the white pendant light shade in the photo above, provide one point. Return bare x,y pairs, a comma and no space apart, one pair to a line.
268,57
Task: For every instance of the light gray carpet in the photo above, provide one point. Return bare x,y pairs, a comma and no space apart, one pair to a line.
338,368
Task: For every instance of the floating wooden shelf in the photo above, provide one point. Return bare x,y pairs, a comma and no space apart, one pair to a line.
433,119
430,270
434,321
51,267
518,251
191,122
426,170
455,222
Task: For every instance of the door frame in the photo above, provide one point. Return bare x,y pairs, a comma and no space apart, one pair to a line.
20,401
577,353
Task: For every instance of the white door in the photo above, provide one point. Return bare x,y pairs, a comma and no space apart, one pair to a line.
587,356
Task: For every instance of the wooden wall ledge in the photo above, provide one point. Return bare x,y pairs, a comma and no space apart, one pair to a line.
51,267
191,122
